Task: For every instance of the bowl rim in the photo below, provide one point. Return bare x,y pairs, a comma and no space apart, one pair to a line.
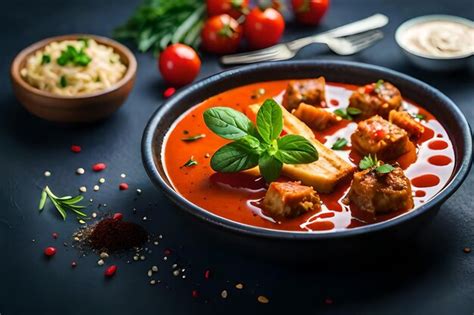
148,158
15,71
402,28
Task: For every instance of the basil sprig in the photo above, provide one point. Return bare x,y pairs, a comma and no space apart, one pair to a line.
256,145
369,162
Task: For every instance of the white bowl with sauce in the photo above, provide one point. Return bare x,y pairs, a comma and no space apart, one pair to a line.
437,42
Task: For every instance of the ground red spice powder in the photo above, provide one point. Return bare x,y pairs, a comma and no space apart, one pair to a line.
116,235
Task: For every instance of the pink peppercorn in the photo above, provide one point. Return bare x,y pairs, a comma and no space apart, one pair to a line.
195,294
123,186
110,271
99,167
73,264
50,251
169,92
117,216
55,235
76,148
207,274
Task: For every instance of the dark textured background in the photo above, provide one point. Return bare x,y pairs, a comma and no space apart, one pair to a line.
431,276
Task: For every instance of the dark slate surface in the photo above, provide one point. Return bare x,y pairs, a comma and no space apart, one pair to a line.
431,276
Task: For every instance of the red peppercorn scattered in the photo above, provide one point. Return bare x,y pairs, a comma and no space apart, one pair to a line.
328,301
123,186
467,250
73,264
50,251
207,274
110,271
334,102
55,235
117,216
167,252
169,92
99,167
195,294
76,148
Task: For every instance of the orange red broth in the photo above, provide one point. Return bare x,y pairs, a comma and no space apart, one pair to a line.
237,196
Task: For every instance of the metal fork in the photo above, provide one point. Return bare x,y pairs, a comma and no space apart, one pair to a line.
342,46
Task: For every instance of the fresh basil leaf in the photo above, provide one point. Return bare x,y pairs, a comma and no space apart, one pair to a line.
367,162
295,149
384,169
353,111
269,120
270,167
252,143
339,144
234,157
342,112
228,123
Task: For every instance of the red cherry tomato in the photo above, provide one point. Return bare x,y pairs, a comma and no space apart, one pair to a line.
221,34
263,28
309,11
179,64
234,8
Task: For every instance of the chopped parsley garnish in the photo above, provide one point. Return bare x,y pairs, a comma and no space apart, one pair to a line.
45,59
71,55
347,113
339,144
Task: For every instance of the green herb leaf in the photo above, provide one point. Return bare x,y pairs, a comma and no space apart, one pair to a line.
353,111
190,162
418,116
63,81
45,59
368,162
339,144
295,149
269,120
42,202
347,113
234,157
193,138
378,85
71,55
270,167
62,204
228,123
384,169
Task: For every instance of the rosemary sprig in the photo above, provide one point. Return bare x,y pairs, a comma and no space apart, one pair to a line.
62,204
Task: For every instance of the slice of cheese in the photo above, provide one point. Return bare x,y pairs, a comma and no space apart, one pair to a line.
322,174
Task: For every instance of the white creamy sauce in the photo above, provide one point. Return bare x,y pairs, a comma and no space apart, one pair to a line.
440,38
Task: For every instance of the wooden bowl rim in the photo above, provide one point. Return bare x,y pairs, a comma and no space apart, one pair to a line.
131,64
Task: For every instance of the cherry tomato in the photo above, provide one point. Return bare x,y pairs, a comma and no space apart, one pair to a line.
179,64
309,11
221,34
235,8
263,28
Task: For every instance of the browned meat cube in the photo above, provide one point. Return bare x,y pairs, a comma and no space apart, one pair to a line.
381,193
380,138
290,199
316,118
404,120
376,99
310,91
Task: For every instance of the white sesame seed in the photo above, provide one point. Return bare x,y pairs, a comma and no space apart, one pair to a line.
150,273
135,258
83,189
154,269
139,191
96,187
224,294
104,255
174,266
160,236
123,175
165,258
100,262
239,286
82,221
152,282
47,173
94,215
145,218
91,200
142,257
176,273
101,180
80,171
156,243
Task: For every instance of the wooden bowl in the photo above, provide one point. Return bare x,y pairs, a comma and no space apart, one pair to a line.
73,109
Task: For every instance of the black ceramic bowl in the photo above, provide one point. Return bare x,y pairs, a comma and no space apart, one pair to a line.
345,72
